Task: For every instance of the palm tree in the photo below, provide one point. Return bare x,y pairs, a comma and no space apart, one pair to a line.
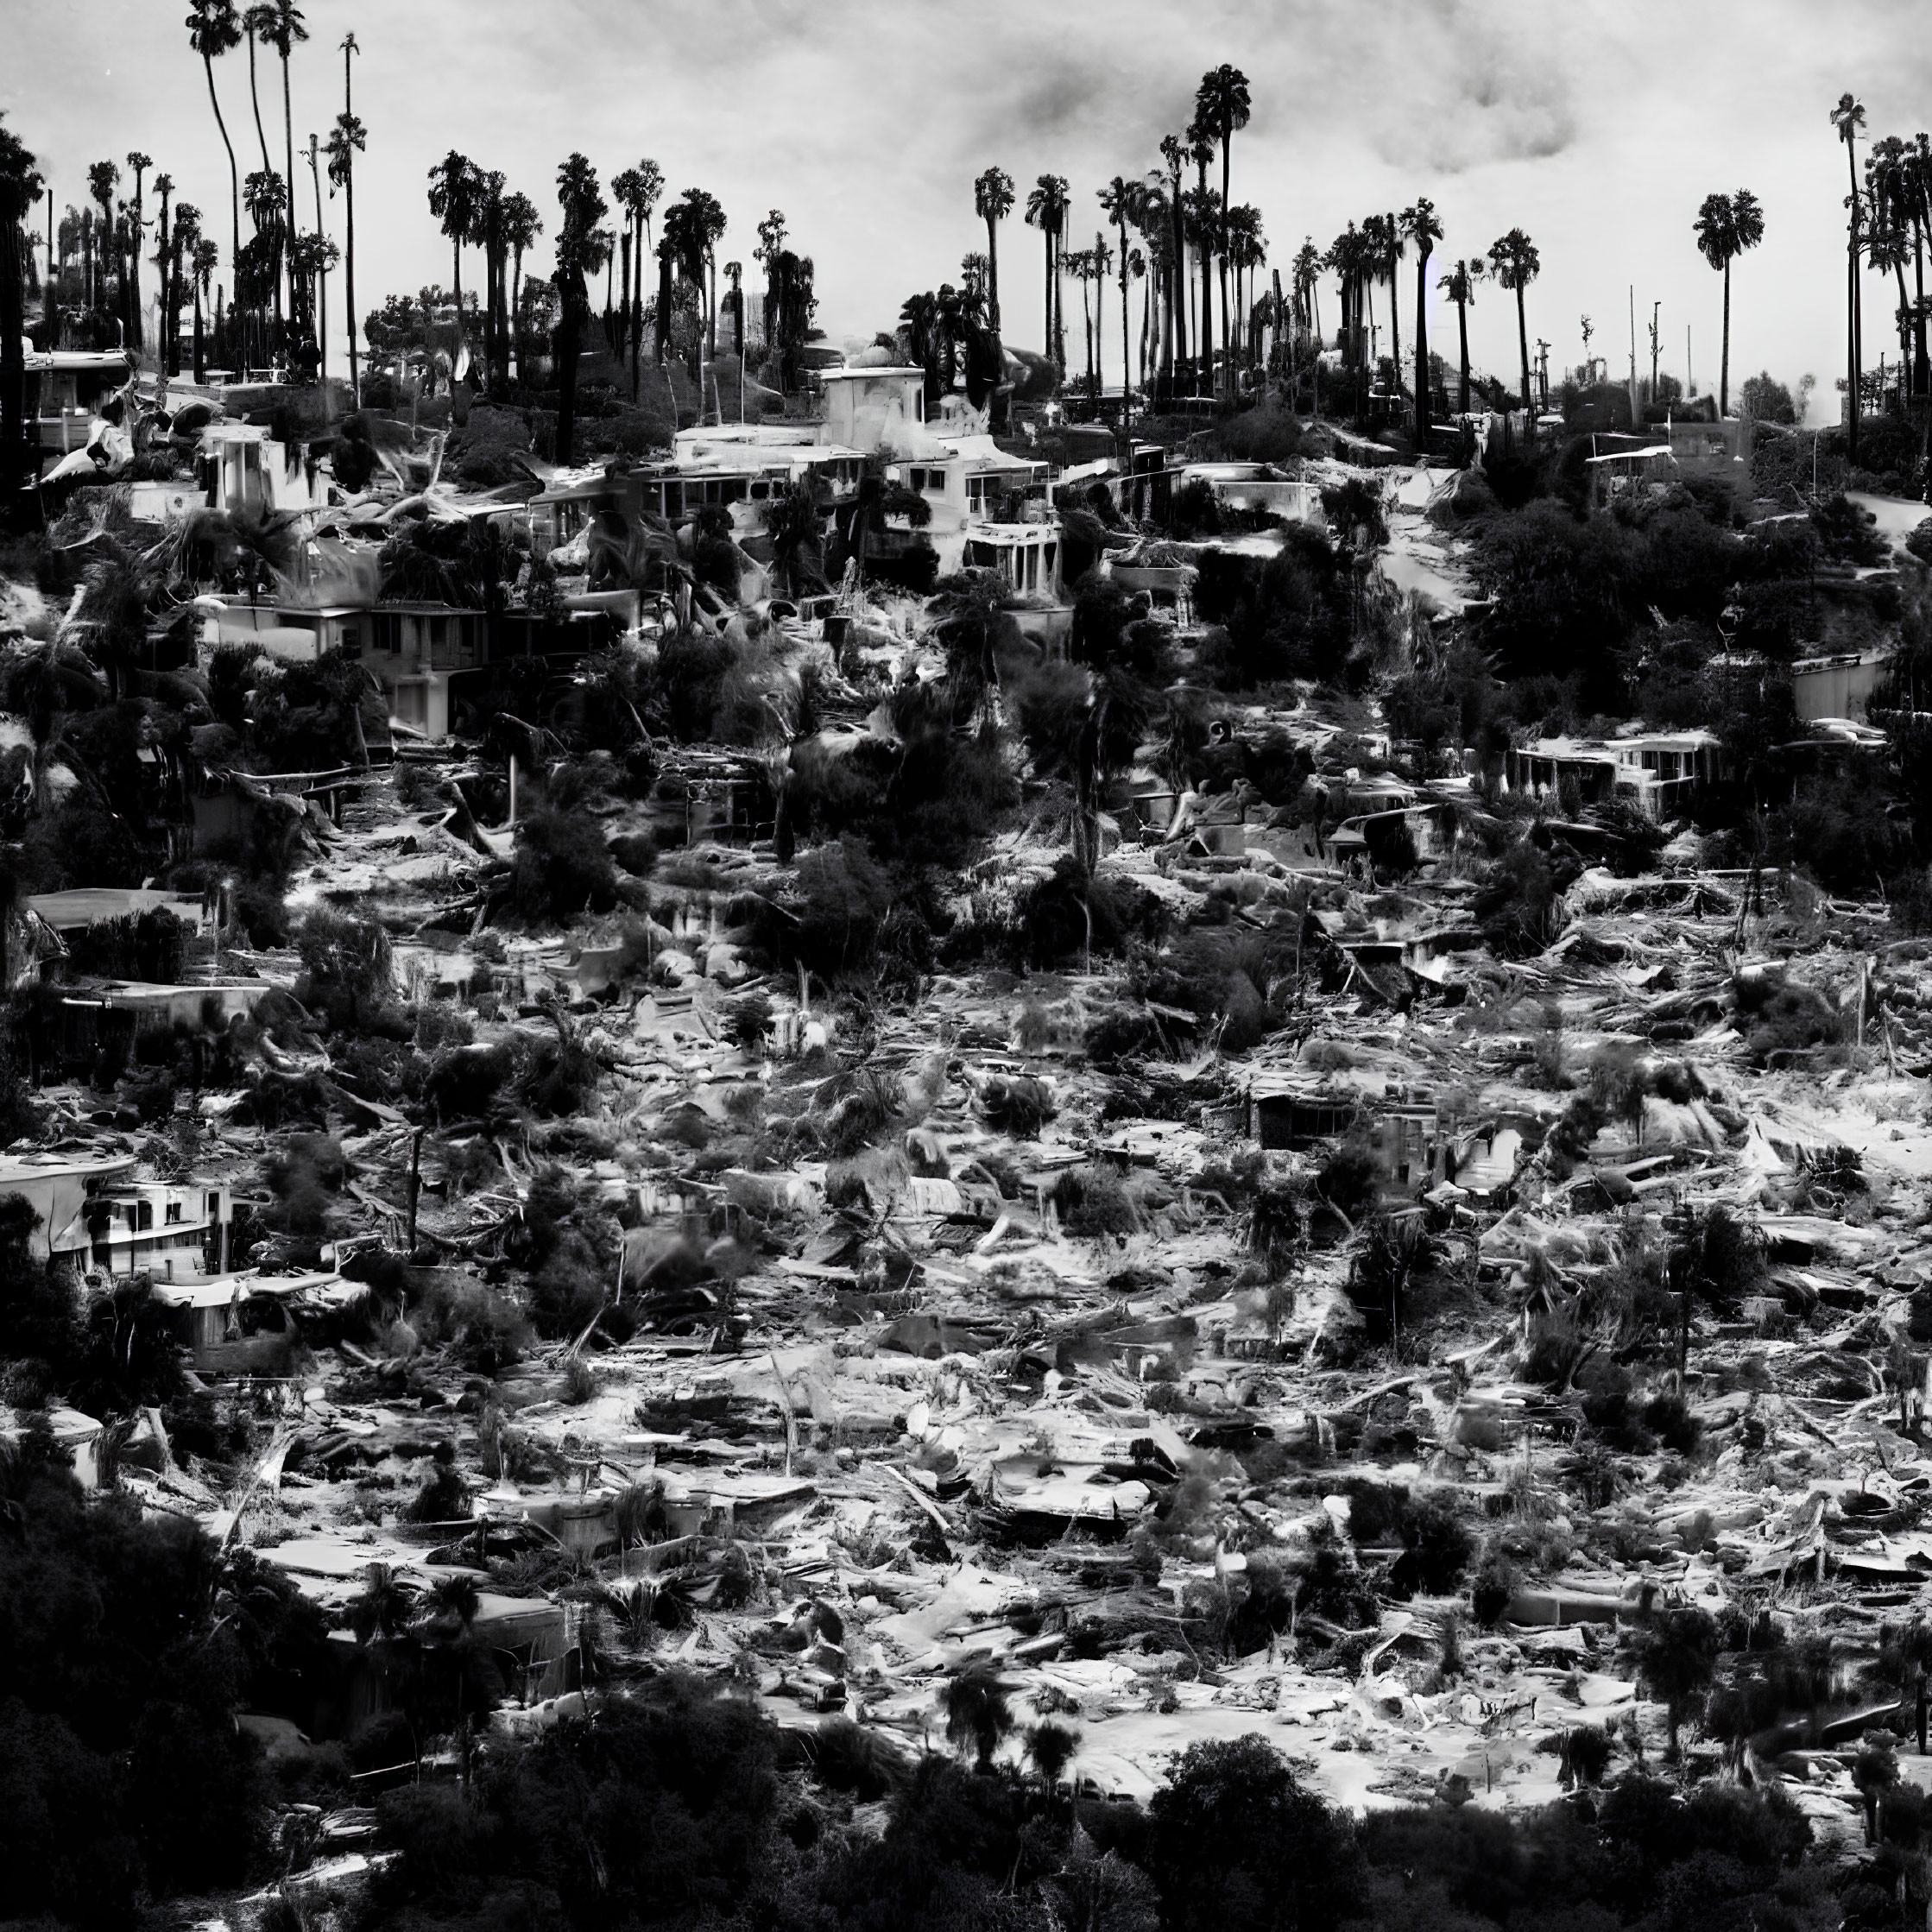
256,22
282,27
578,257
1173,152
456,186
1247,249
1120,202
1726,225
1887,247
1849,118
1046,210
103,178
1384,240
637,190
490,231
138,164
1201,225
1205,225
993,203
1918,179
1460,285
164,186
1420,225
1890,193
522,226
1221,105
348,137
206,258
1515,262
20,193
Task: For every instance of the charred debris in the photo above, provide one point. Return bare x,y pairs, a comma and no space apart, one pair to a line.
1278,1094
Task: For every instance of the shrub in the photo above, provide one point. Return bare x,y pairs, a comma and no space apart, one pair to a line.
1091,1200
563,867
1235,1840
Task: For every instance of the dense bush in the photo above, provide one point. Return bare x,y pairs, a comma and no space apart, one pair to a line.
563,867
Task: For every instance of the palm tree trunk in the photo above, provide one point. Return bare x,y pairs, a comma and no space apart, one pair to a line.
516,309
254,97
1462,331
1922,373
1126,348
1855,348
1723,354
1395,320
1522,344
1422,348
1046,237
234,191
288,142
1176,268
993,273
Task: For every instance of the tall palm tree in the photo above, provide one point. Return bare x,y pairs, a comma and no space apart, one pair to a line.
578,256
1848,118
1516,264
20,192
1046,210
1221,105
1384,235
1460,286
1420,225
1887,249
282,27
164,186
1206,224
1173,151
634,194
1726,225
1889,196
1119,201
103,178
138,164
349,134
1247,249
993,203
522,226
1306,273
256,23
208,257
1202,226
1918,178
456,186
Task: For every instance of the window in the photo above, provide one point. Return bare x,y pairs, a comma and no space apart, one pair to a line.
936,481
438,632
144,1212
214,1205
173,1215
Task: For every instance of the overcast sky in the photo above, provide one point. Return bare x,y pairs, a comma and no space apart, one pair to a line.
1597,128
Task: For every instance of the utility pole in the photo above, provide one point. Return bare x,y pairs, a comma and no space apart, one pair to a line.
1657,309
1542,371
1635,418
1689,380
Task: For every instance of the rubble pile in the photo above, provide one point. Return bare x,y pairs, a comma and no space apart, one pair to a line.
1295,1235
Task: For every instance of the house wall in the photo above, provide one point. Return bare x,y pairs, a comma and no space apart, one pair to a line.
1835,687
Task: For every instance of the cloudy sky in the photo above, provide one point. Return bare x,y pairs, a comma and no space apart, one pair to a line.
1597,126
